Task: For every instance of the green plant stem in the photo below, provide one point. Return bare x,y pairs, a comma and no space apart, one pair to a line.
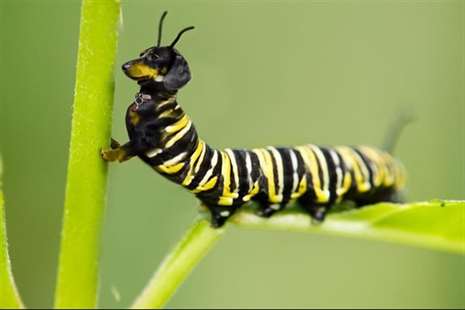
438,225
77,281
9,297
178,264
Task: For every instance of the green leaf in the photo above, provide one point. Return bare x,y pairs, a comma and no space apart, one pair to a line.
436,225
77,281
9,297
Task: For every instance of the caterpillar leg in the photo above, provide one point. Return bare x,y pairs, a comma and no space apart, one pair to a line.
114,144
267,210
220,214
117,152
317,212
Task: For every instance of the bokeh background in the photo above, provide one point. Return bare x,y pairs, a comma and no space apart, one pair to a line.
264,73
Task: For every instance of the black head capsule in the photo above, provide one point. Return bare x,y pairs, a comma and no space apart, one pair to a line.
160,66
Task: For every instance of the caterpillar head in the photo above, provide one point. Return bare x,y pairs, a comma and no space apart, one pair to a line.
160,66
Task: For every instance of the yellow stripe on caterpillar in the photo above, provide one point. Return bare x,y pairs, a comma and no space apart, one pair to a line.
253,192
189,176
207,186
301,189
266,163
170,169
352,164
225,201
202,155
235,169
312,164
182,122
280,170
376,160
324,168
366,186
179,135
226,173
163,103
167,114
208,174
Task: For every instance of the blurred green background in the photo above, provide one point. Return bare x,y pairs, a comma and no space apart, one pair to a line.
264,73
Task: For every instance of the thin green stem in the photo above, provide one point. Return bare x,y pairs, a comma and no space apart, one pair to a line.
178,264
9,297
77,281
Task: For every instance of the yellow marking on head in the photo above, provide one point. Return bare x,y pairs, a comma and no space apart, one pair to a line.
140,70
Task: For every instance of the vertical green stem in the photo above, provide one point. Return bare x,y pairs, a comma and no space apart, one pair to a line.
77,281
9,297
178,264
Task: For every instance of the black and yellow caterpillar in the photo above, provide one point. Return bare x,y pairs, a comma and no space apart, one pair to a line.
163,136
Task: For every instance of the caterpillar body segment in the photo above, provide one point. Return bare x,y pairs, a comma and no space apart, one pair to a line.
224,180
164,137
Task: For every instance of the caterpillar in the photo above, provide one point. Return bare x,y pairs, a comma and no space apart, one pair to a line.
163,136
